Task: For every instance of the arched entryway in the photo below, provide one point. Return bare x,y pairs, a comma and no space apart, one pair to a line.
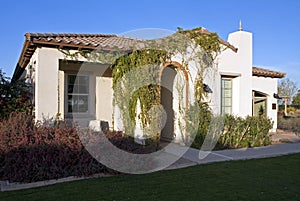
166,99
167,76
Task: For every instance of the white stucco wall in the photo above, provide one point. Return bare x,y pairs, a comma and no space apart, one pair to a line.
213,80
50,84
61,83
104,99
46,86
239,66
100,92
267,86
180,102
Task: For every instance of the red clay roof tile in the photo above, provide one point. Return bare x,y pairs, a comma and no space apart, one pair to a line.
106,42
257,71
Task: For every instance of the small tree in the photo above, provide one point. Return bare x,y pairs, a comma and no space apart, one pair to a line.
287,88
14,96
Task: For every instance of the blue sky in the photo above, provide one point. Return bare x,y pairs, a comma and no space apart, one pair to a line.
275,24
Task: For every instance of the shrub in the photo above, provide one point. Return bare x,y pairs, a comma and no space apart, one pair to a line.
248,132
291,110
203,112
41,151
240,132
32,152
14,96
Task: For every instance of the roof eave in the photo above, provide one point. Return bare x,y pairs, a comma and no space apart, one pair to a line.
31,43
270,76
22,61
262,72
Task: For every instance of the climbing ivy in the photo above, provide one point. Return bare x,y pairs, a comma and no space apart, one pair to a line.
207,41
129,73
137,58
142,64
204,49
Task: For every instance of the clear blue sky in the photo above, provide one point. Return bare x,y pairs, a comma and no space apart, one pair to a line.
275,24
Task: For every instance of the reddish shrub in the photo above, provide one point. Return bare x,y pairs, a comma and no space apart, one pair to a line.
33,152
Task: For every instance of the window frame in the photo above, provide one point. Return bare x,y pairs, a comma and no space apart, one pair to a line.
223,111
66,99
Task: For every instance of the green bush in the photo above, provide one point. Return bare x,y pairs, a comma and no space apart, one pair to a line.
238,132
248,132
14,96
202,112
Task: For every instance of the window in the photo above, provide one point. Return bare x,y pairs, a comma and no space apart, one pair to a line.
259,103
226,93
77,93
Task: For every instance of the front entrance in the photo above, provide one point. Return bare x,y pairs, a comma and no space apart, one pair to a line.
166,98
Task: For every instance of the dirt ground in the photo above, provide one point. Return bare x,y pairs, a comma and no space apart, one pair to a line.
284,136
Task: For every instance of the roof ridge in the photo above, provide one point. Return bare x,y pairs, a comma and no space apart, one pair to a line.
37,34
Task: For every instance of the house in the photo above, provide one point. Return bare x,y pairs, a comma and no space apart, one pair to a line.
237,87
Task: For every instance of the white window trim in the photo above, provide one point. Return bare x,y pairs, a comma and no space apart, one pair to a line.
79,114
231,79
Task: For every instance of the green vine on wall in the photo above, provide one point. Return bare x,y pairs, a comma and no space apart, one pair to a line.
203,48
208,41
127,90
210,48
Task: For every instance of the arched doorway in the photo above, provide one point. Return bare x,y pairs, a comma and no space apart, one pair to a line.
168,74
166,98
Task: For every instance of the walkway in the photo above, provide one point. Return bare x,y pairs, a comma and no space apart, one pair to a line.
194,156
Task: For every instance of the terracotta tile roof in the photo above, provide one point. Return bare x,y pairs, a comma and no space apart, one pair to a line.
106,42
73,41
256,71
88,41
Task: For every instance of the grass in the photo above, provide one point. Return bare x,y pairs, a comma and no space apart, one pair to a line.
259,179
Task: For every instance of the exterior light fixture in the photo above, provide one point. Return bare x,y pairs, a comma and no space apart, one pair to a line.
276,96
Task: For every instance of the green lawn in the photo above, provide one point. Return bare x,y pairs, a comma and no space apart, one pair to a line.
259,179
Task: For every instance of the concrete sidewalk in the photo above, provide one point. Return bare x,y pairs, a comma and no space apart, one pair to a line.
195,156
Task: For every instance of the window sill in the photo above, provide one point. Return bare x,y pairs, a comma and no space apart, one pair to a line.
79,116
